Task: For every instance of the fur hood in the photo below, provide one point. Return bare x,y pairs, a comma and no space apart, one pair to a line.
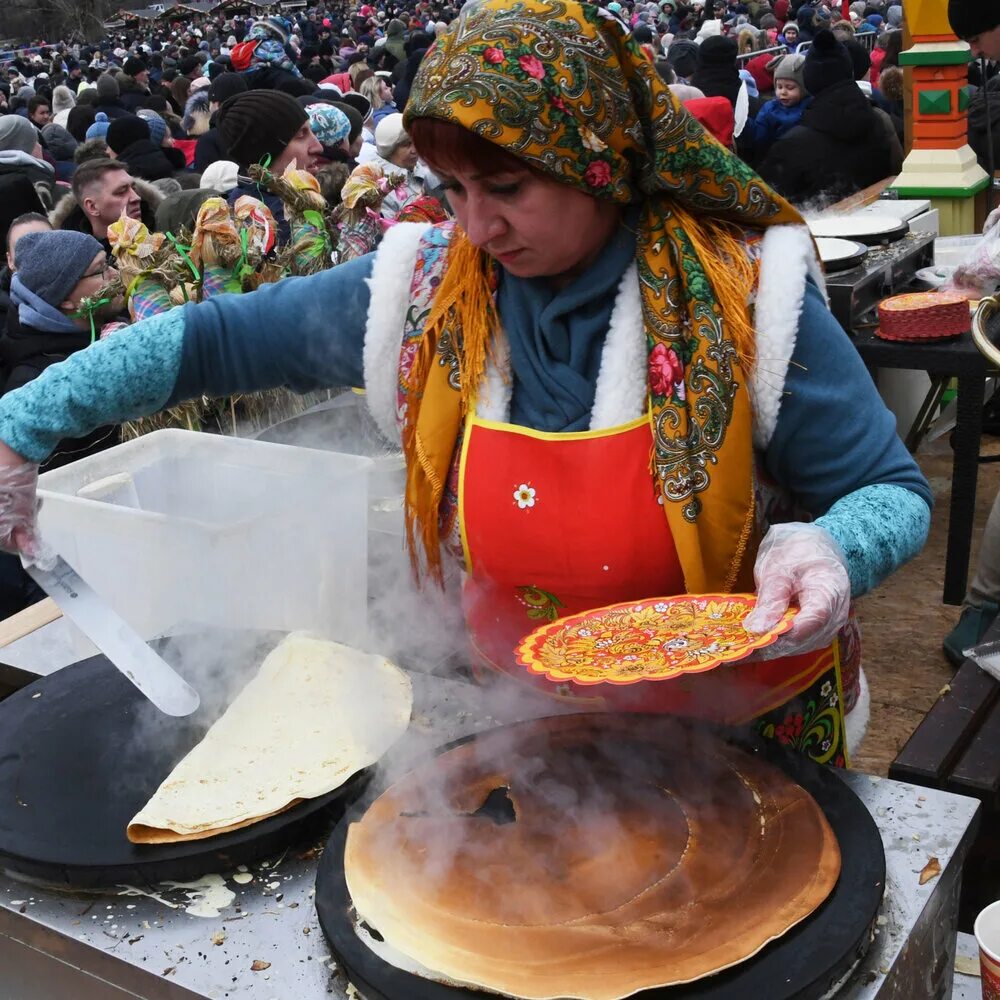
67,206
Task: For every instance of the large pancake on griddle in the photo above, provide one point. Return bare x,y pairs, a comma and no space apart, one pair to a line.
316,713
626,853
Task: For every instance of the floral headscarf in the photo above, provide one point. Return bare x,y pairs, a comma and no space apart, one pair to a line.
565,87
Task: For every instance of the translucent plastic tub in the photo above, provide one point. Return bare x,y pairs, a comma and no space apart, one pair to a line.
180,528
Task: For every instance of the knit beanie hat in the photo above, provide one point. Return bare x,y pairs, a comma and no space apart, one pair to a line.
860,59
51,264
359,102
99,130
227,85
59,142
124,131
259,123
133,67
62,99
357,123
156,125
827,63
969,18
17,133
221,176
683,56
719,51
894,16
389,133
789,68
107,88
188,65
329,124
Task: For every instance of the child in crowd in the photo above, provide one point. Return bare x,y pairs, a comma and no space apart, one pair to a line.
782,113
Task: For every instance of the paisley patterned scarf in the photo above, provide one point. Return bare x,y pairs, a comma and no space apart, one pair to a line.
564,86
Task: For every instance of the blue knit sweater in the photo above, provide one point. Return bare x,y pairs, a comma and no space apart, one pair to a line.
835,446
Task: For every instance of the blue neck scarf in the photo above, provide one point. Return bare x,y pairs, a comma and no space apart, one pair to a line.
557,337
35,312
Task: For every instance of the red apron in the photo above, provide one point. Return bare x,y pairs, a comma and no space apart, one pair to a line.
555,524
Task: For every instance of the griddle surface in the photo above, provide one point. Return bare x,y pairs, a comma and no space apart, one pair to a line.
81,751
801,965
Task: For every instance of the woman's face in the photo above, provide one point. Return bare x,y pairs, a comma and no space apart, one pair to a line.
404,155
534,226
384,91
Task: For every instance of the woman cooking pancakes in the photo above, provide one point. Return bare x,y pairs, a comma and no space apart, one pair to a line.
614,376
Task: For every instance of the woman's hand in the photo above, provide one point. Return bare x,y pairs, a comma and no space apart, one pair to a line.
18,502
800,564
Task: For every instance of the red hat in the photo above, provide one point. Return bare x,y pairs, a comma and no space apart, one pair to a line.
716,115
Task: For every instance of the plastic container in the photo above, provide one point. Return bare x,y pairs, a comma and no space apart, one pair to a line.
344,424
179,528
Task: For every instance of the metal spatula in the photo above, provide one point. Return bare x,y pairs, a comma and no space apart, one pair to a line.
987,657
115,638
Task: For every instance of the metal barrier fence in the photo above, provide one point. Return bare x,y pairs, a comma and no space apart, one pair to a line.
867,40
777,50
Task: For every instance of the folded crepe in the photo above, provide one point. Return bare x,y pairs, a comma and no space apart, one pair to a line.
315,714
586,857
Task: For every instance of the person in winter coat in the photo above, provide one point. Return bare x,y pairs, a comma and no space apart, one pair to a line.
781,115
63,101
79,120
790,37
718,76
840,146
61,146
129,140
21,225
108,99
21,156
102,191
398,155
267,125
17,589
133,85
55,272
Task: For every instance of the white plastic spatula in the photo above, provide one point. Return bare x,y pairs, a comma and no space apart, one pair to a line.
114,637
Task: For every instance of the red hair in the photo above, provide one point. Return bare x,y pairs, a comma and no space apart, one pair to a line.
447,147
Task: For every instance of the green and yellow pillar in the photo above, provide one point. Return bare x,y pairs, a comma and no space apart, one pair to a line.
941,165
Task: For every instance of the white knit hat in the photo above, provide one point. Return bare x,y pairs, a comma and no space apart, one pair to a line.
222,176
389,133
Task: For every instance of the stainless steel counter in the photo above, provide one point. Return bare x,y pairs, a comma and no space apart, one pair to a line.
255,934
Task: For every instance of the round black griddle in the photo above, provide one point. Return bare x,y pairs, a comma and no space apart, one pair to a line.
802,965
876,238
837,264
81,752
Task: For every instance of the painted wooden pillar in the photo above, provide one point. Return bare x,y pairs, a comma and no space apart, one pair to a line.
941,164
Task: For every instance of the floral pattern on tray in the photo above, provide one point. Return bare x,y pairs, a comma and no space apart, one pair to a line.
650,640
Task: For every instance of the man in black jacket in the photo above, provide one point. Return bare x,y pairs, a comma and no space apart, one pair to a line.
840,145
133,85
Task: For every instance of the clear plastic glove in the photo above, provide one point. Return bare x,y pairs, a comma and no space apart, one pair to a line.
800,564
991,220
18,503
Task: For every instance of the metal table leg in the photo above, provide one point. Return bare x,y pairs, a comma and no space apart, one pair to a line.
965,475
928,411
